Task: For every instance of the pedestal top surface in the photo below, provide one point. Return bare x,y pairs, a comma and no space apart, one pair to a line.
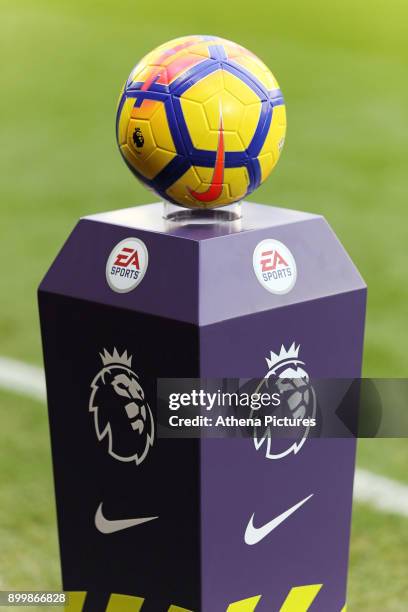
150,217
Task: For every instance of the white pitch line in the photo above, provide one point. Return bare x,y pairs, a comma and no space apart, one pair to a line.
22,378
381,493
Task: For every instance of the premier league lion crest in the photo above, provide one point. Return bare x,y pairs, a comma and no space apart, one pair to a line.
287,376
122,415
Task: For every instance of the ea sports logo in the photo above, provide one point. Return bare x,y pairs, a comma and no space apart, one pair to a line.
127,265
274,266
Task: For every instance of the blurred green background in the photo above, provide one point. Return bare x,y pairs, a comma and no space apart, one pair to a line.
343,70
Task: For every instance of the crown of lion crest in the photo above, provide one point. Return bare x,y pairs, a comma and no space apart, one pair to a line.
284,356
115,358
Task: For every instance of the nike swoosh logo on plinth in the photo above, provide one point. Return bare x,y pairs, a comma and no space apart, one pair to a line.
105,525
253,534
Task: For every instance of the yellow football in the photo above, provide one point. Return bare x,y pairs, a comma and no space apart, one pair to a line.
201,121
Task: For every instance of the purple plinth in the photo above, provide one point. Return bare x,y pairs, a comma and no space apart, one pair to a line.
200,311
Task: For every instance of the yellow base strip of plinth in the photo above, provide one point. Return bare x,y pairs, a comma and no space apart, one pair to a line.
75,601
124,603
245,605
178,609
300,598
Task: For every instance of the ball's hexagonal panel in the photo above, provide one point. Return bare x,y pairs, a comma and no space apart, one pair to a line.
231,109
140,73
236,181
149,145
239,105
140,138
239,89
201,49
200,134
123,122
271,150
197,178
205,88
160,129
177,65
249,122
225,104
179,189
168,62
254,66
